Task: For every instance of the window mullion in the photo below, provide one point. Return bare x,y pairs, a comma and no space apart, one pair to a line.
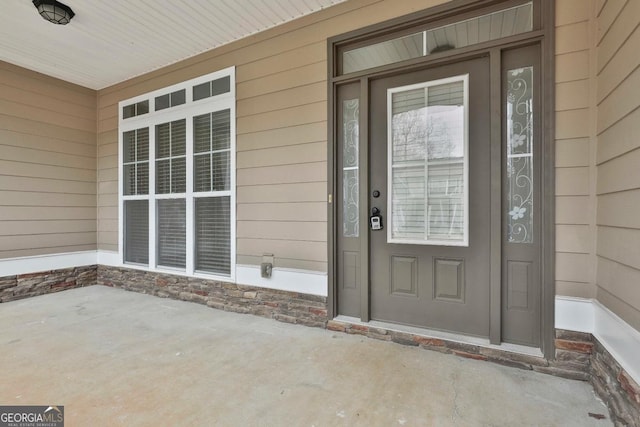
211,153
170,157
152,197
190,227
427,222
135,161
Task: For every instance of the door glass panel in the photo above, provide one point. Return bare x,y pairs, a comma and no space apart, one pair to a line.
519,110
480,29
350,182
428,163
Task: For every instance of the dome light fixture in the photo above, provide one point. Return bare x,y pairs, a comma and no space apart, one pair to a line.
54,11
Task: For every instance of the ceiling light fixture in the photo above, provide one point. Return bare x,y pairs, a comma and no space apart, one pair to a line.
54,11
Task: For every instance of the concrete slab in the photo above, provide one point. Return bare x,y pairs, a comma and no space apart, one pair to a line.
115,358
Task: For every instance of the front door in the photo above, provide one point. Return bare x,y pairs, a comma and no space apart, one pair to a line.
429,184
442,173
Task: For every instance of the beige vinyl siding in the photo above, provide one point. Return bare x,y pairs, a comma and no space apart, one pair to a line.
575,148
282,136
47,165
618,158
281,83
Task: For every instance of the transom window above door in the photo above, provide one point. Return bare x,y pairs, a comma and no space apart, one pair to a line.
435,38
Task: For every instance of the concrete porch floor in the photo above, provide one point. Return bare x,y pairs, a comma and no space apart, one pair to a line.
113,357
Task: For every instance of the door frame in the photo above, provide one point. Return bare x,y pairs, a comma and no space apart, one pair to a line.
456,10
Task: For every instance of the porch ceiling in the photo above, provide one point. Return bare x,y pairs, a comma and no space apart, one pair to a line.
108,42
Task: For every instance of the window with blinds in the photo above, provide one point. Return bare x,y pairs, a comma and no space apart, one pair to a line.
211,151
135,160
211,177
171,229
136,231
428,163
177,209
213,234
171,166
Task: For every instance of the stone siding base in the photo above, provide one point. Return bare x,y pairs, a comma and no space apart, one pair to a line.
615,387
570,363
289,307
45,282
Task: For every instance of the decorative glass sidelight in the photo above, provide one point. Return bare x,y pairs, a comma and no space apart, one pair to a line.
350,165
428,163
519,110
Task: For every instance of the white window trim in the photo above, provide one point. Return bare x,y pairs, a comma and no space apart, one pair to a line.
464,78
184,111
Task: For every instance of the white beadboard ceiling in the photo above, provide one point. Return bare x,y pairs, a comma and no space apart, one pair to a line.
109,41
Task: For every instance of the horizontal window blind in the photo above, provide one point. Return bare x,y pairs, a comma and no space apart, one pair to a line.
171,238
213,234
212,135
445,204
171,142
409,208
135,155
136,231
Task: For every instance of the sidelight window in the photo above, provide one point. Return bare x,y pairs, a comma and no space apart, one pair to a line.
350,168
519,110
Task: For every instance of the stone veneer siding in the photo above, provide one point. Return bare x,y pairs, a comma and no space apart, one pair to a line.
289,307
579,355
44,282
615,387
573,351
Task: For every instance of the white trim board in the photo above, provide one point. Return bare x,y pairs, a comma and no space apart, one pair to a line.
575,314
282,279
619,338
616,335
38,263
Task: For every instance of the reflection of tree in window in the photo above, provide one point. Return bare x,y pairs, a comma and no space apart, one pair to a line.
428,163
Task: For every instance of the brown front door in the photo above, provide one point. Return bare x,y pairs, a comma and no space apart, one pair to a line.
429,182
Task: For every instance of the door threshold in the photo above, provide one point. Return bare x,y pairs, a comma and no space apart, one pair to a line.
440,335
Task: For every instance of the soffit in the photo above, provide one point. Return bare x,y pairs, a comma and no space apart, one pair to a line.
108,42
